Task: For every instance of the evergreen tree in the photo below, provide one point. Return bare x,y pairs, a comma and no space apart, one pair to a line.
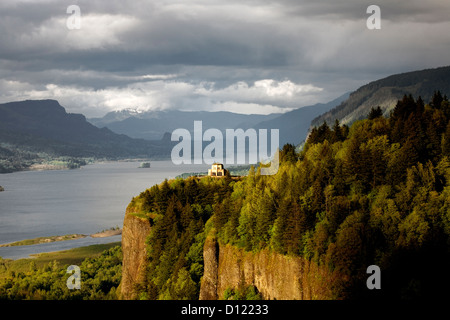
373,193
288,153
337,132
437,99
375,113
445,144
265,216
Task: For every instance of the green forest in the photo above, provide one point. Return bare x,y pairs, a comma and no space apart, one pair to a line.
39,280
377,192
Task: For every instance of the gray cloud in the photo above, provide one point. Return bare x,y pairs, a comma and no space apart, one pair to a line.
431,11
211,54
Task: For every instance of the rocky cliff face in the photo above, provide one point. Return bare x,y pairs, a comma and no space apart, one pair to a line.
208,289
274,275
134,233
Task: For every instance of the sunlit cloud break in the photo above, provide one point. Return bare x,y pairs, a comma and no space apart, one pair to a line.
162,92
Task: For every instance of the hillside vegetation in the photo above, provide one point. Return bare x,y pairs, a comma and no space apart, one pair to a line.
45,276
374,193
385,93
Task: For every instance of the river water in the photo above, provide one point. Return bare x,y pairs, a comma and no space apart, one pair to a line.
84,201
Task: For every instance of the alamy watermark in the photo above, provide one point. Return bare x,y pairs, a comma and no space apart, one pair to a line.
73,22
374,21
374,281
214,152
74,281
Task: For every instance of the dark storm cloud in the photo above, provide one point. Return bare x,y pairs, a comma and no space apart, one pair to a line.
210,54
432,11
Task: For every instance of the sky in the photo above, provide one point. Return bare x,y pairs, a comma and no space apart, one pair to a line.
245,56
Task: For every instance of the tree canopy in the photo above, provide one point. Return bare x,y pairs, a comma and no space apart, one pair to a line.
374,193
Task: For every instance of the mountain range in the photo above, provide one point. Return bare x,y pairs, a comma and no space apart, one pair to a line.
293,125
151,125
386,92
34,127
45,126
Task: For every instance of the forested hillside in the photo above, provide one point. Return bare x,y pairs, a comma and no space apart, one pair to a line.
178,212
385,93
375,193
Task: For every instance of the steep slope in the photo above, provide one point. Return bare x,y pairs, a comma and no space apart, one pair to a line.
372,194
134,234
275,276
385,93
45,126
294,125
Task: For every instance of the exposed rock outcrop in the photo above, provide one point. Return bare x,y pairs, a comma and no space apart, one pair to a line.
134,233
208,290
274,275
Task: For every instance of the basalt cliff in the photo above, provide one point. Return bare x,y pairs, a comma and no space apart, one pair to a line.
275,276
375,193
134,234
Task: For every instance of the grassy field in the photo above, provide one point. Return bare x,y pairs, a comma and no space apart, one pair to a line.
65,257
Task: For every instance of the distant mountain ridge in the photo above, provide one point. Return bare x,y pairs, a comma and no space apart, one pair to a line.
386,92
45,126
36,131
293,125
152,125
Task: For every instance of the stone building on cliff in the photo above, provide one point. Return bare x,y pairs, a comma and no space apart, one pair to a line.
217,170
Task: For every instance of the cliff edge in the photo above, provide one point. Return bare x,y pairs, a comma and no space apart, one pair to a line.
274,275
134,233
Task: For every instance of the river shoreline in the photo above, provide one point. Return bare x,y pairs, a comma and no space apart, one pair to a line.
29,252
56,164
85,201
40,240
